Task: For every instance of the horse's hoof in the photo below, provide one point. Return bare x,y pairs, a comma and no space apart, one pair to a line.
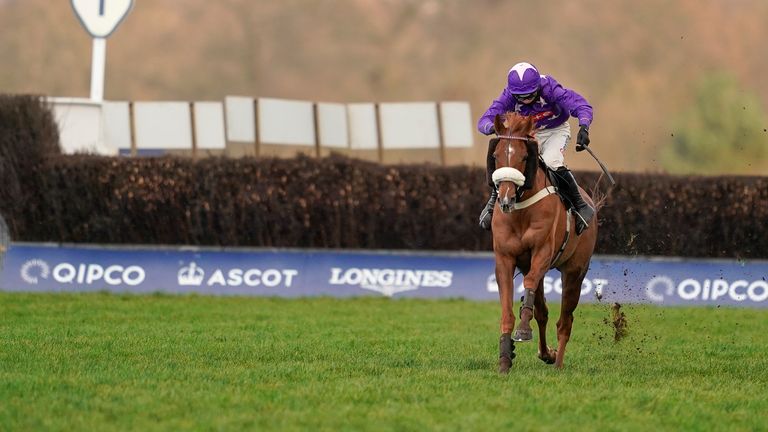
505,363
548,359
523,335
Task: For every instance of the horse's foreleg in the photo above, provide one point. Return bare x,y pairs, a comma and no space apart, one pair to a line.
541,313
505,267
532,283
571,292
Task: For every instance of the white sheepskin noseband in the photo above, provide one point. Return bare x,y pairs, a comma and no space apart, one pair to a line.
508,174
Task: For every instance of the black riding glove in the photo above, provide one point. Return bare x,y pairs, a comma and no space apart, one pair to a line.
582,140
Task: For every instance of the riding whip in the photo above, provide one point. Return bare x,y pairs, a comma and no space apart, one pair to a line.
605,170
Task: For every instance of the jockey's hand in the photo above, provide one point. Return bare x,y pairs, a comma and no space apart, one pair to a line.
582,140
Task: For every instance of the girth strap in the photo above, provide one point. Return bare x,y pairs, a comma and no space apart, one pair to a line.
567,237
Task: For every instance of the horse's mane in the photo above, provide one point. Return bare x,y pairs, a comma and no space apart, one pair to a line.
518,123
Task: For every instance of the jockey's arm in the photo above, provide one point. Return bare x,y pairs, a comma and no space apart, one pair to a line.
500,105
576,105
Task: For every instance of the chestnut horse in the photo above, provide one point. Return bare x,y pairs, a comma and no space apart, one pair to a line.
534,232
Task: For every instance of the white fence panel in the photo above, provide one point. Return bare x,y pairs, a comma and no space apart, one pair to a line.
409,125
241,119
363,129
162,125
456,124
209,125
85,126
286,122
332,125
80,126
117,124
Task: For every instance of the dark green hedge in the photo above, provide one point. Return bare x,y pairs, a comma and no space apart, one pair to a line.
305,202
28,134
334,202
338,202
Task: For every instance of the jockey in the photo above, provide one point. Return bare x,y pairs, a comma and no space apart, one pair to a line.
531,94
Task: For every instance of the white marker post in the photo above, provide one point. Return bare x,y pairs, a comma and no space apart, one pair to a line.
100,18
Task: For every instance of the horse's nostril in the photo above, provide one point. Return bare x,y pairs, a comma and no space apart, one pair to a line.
506,204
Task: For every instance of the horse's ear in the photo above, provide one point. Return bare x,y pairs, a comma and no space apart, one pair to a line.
498,124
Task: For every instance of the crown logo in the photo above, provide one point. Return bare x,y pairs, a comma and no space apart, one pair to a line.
191,275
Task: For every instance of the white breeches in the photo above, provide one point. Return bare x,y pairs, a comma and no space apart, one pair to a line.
552,143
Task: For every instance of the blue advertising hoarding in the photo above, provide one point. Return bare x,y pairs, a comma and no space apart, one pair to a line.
340,273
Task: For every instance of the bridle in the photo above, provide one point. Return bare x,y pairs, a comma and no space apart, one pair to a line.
528,139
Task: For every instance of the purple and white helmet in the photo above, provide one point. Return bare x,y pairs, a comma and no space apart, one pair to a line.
523,78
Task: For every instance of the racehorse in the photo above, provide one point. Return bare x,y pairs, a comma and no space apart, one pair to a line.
533,232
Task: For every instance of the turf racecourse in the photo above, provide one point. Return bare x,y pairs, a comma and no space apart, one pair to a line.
124,362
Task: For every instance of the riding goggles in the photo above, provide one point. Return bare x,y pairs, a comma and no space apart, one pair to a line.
522,97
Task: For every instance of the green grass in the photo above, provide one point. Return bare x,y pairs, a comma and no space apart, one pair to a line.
107,362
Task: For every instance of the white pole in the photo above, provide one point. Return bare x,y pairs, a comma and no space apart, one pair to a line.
98,62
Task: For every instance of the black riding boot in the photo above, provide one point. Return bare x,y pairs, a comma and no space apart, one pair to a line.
487,214
490,166
584,212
